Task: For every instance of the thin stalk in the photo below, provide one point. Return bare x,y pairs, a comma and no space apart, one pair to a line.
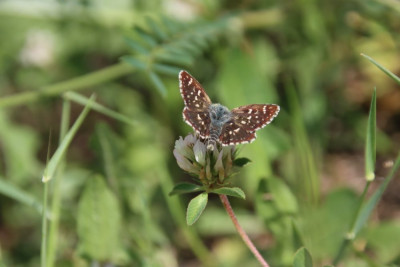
43,251
56,200
241,231
78,83
351,234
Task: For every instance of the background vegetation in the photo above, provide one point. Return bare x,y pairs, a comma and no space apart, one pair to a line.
107,197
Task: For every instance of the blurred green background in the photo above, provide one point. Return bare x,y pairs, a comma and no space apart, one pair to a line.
108,202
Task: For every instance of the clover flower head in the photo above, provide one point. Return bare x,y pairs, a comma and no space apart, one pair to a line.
211,167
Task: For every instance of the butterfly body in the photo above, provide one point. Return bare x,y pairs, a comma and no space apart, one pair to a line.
217,123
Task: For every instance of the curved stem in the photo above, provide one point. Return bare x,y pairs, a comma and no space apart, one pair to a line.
241,231
78,83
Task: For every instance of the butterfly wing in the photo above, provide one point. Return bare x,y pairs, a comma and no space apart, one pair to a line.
245,121
256,116
200,121
197,102
233,133
192,92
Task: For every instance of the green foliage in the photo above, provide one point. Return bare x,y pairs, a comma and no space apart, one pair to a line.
303,186
196,207
55,160
184,188
302,258
230,191
165,46
99,221
370,144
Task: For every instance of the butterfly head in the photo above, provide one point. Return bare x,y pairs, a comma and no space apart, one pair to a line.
219,114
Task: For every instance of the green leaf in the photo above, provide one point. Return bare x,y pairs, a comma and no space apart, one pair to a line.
156,29
240,162
282,196
146,38
196,207
373,201
166,69
173,58
158,84
134,62
230,191
302,258
99,221
184,188
138,48
62,148
370,144
386,71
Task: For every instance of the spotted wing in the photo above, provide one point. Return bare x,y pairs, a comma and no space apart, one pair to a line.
233,134
200,121
192,92
254,117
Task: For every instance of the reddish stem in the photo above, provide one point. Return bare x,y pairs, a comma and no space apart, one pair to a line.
242,233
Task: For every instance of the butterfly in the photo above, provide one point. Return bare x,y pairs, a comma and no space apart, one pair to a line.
215,122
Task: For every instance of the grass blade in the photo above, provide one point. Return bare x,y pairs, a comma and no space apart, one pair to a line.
385,70
80,99
56,159
373,201
370,144
19,195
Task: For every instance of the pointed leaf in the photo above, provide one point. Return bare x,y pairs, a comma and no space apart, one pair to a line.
184,188
99,221
196,207
156,29
370,144
158,84
386,71
302,258
231,191
166,69
240,162
173,58
136,46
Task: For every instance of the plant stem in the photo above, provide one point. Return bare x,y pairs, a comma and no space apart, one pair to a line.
56,200
82,82
241,231
43,251
351,234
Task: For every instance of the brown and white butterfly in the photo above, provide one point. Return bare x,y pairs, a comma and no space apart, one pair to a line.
217,123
